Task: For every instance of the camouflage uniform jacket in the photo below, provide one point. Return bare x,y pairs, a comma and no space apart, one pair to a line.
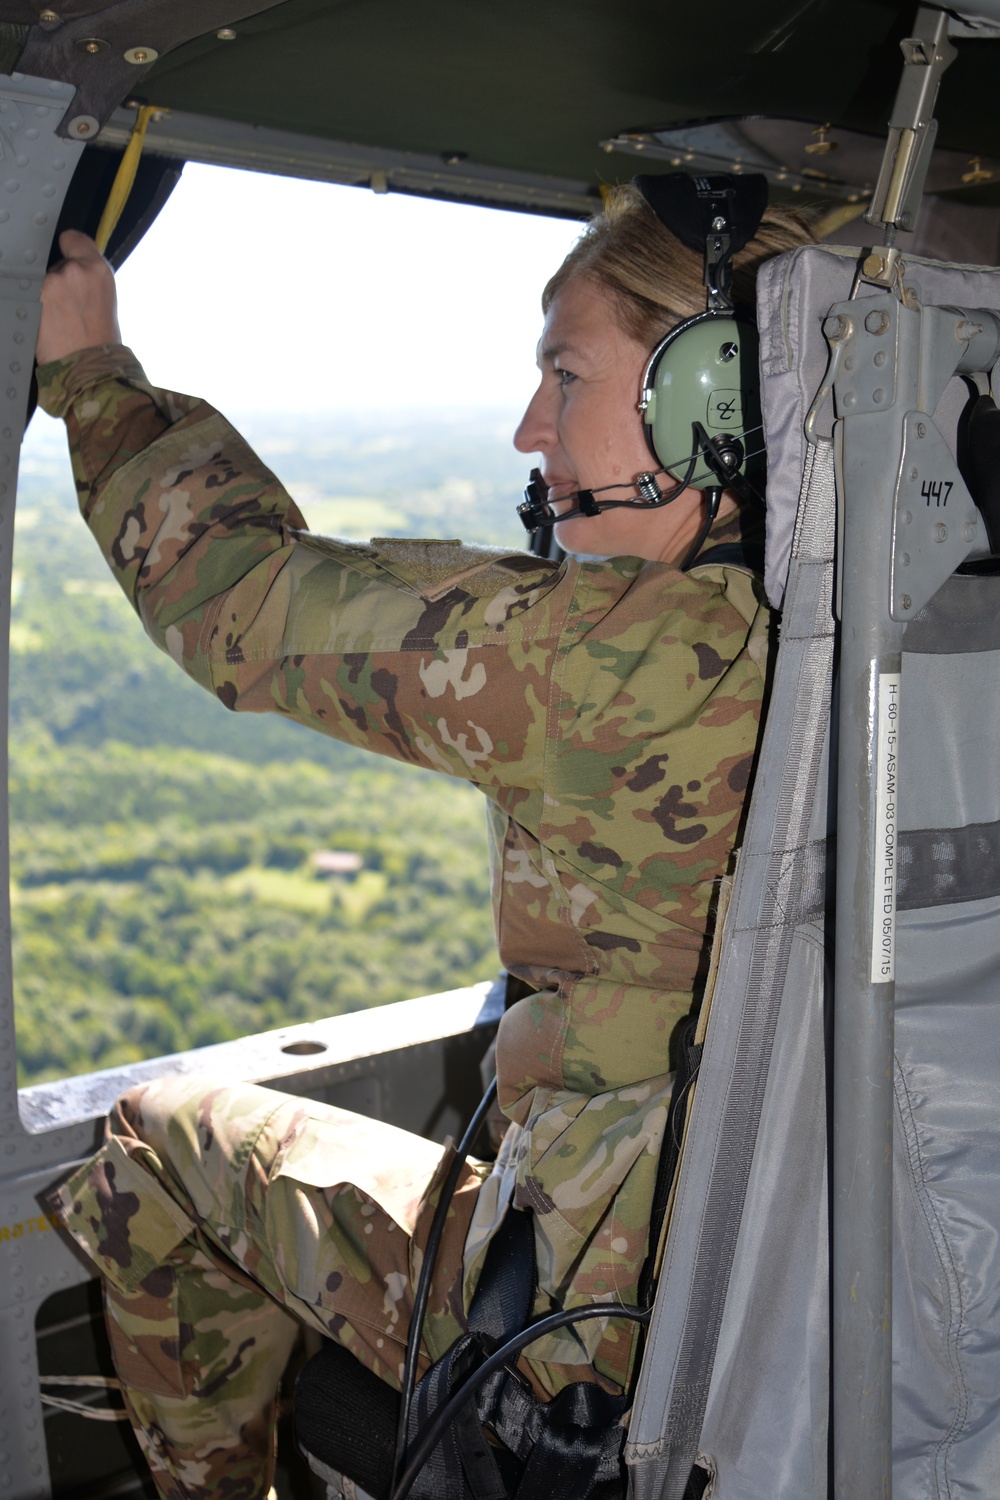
607,710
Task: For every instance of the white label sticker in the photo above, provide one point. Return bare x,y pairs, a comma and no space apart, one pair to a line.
886,804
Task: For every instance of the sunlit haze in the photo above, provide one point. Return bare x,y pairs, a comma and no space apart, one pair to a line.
269,294
321,319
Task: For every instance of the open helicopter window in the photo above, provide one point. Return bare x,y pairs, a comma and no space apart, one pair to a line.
182,876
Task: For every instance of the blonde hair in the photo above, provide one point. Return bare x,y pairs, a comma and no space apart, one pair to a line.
656,280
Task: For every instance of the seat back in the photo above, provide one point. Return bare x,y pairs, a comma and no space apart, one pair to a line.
737,1365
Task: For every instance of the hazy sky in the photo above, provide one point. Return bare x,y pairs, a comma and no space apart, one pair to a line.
266,293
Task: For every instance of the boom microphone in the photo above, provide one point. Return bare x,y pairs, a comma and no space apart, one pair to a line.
722,456
536,509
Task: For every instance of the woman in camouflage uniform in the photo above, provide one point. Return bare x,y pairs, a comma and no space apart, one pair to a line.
608,709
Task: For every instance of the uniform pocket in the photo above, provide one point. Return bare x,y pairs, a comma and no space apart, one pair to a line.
128,1225
539,915
120,1216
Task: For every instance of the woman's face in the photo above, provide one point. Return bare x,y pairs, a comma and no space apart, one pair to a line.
585,423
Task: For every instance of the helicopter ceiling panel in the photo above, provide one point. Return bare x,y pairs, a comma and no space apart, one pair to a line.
560,88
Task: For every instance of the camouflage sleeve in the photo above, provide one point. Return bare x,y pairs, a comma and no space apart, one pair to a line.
431,652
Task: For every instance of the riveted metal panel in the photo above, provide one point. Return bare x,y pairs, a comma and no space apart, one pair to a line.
414,1065
35,171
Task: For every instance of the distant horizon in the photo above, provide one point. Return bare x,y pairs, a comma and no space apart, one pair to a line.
356,475
45,439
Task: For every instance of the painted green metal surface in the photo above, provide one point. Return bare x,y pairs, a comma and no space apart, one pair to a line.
537,86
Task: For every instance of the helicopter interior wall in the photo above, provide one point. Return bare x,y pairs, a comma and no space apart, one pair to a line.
415,1065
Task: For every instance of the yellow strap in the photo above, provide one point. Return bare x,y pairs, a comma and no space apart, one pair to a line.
124,178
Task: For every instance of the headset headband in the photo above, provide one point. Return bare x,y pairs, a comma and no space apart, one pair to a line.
716,215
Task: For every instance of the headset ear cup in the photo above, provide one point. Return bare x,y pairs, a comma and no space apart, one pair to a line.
705,372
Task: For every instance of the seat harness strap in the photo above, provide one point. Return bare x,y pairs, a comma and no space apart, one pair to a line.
558,1450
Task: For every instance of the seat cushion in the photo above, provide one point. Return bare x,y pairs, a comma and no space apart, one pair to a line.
347,1418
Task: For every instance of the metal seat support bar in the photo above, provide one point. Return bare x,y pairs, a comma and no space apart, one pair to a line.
908,521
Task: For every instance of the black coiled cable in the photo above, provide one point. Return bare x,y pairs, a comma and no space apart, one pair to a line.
423,1291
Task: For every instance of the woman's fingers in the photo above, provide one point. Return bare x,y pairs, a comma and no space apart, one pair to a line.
79,304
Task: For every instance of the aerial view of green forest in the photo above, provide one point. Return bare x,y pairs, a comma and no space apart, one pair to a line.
181,875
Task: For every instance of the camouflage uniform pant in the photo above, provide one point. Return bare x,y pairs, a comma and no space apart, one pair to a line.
217,1218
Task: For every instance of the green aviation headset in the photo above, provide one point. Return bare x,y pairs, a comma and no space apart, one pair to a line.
700,398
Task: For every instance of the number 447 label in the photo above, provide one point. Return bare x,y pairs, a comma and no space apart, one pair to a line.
886,801
936,491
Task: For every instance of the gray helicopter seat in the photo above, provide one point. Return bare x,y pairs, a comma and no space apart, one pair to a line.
737,1367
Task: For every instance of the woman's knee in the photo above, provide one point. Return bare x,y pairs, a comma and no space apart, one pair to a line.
203,1136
